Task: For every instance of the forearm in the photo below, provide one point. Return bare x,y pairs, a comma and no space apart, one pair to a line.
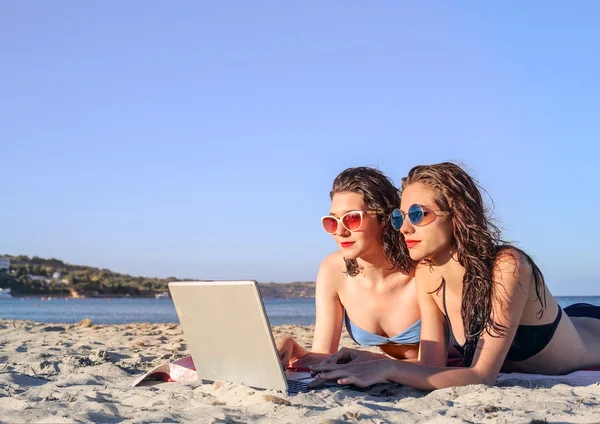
302,357
431,378
310,358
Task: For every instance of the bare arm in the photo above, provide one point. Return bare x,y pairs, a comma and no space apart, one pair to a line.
433,349
329,310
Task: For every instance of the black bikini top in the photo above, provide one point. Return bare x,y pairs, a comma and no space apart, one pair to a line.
529,339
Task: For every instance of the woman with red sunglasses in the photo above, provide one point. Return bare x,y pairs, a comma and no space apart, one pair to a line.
488,297
368,284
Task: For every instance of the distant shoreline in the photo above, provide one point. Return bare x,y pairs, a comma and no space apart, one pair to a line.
37,295
52,277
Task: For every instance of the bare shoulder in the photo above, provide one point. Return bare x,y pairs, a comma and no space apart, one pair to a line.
332,270
333,263
512,265
513,274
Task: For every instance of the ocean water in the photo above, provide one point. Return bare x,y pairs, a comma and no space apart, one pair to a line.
132,310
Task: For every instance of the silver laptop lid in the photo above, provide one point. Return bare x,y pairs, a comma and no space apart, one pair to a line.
228,332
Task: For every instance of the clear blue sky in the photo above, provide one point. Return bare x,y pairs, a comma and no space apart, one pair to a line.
200,139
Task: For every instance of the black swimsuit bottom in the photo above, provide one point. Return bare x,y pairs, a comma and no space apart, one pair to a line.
585,310
530,339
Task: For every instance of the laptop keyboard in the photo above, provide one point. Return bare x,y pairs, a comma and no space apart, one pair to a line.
295,387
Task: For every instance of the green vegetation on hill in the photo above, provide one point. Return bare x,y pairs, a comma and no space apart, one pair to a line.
289,290
63,279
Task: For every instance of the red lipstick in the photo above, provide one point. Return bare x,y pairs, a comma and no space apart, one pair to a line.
412,243
347,243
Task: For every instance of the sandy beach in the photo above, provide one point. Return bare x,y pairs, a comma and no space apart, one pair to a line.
63,373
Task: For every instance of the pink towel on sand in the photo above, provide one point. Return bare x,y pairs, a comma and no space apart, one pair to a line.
181,370
576,378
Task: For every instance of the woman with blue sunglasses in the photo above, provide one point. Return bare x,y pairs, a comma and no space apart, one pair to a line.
368,284
488,297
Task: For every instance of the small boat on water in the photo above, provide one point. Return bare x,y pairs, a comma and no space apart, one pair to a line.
163,295
5,293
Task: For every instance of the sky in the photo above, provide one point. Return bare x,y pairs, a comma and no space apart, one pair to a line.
201,139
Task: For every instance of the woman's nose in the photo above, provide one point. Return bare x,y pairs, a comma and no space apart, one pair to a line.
407,228
341,230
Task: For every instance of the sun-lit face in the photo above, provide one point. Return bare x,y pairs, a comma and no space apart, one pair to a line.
432,241
361,242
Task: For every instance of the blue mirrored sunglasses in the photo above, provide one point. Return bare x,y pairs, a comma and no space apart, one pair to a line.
418,215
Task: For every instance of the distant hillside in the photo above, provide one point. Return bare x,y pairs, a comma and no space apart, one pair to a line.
288,290
30,276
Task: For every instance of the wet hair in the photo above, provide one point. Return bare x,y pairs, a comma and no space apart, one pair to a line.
478,247
379,193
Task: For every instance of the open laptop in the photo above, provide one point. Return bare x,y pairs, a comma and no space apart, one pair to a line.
228,334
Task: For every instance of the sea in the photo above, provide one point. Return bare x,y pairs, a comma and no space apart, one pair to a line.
138,310
134,310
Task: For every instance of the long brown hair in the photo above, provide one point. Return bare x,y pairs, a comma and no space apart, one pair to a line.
477,243
379,193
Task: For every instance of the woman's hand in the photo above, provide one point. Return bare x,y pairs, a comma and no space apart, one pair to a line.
346,356
360,374
289,351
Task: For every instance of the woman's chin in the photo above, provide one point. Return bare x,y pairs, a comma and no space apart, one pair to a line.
348,256
416,256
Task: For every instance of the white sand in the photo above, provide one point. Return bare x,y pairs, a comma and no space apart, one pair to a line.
66,373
